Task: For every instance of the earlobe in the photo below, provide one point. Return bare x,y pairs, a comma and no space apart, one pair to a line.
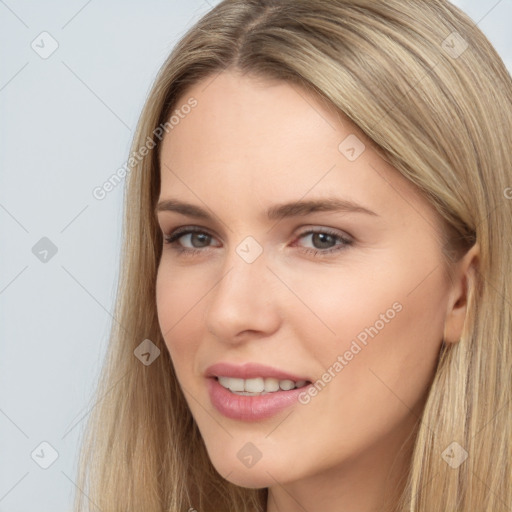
464,280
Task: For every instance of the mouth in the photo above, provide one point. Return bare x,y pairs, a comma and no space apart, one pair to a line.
252,391
259,386
249,406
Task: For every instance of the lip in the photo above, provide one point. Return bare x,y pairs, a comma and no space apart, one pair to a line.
250,371
250,408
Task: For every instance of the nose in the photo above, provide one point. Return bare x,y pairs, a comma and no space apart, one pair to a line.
244,304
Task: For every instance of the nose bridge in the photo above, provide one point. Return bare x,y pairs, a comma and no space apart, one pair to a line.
242,300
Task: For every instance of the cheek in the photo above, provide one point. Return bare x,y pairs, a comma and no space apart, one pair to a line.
179,299
377,367
377,332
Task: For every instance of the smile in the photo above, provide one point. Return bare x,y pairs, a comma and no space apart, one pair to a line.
259,385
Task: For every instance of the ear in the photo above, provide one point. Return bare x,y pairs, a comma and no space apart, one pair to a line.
464,278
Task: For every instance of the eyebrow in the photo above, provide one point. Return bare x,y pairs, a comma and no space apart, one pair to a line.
276,212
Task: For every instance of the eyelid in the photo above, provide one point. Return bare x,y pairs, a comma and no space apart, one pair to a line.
177,233
310,229
330,231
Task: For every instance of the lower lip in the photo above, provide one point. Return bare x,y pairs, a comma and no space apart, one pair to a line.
250,408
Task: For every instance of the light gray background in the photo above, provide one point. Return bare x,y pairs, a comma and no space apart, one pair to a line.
66,124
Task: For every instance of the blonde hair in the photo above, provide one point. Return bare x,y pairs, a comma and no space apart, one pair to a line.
441,114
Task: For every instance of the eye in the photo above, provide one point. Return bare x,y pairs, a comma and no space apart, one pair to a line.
189,239
325,241
195,240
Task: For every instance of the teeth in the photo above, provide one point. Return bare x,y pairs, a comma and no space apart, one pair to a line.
254,385
237,384
286,385
258,385
271,385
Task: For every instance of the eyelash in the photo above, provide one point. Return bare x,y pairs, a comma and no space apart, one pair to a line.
174,237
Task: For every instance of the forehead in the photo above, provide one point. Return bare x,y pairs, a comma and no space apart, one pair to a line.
249,140
237,113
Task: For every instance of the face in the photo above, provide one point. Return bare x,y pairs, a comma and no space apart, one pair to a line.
293,252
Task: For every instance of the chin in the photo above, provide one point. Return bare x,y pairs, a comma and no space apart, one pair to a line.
260,475
250,478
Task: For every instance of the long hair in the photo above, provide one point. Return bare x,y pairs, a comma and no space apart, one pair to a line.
426,86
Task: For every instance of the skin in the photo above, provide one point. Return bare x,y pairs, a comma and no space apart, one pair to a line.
250,144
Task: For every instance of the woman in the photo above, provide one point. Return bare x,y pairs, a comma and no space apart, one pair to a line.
314,311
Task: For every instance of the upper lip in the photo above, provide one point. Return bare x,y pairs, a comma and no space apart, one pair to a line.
249,371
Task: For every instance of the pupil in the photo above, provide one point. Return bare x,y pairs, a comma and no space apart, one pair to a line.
322,240
204,239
